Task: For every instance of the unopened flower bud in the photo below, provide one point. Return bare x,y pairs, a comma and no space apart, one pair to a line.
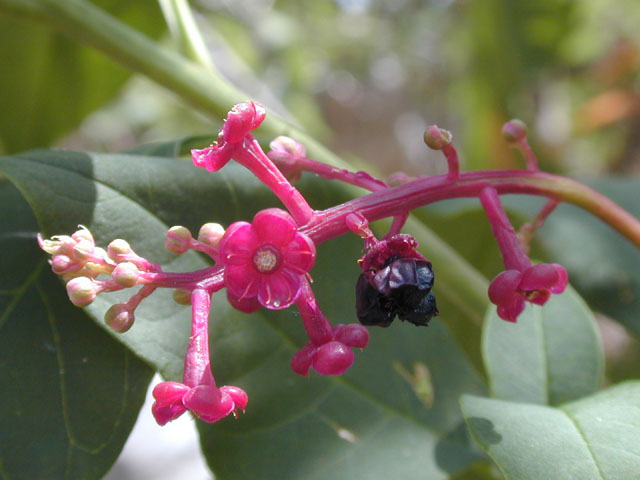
119,317
210,234
118,250
83,234
288,146
83,250
82,291
514,130
178,240
126,274
437,138
182,296
62,264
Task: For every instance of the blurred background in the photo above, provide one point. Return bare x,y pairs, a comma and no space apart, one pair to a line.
363,76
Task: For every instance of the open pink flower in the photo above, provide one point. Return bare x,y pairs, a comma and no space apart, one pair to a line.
206,402
511,288
243,118
266,259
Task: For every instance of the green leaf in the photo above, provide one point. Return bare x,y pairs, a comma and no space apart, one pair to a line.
340,423
550,356
70,393
49,83
591,439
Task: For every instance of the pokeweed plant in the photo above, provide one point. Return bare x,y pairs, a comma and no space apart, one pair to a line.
268,264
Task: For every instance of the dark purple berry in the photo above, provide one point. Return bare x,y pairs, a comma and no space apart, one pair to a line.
401,287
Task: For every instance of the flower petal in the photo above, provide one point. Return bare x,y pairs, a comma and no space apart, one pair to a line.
509,311
279,290
543,276
300,254
503,287
238,244
274,226
246,305
563,279
242,280
208,403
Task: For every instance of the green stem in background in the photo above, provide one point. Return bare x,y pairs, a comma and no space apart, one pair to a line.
204,89
184,30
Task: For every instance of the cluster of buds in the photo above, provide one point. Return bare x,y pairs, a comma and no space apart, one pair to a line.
267,263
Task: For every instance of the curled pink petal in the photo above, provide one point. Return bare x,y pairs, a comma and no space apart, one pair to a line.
504,286
168,405
510,311
301,361
353,335
214,157
536,277
332,358
238,395
242,118
208,403
563,279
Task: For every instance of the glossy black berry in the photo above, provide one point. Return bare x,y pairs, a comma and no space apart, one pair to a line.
402,287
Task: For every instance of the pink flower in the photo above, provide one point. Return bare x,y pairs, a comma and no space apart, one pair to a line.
206,402
243,118
511,288
267,259
333,357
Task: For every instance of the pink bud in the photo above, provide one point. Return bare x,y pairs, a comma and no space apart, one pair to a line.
118,250
514,130
437,138
119,317
126,274
82,291
178,240
210,234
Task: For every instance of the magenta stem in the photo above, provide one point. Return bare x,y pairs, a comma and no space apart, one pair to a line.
252,157
329,223
197,369
512,252
452,161
358,179
315,323
531,161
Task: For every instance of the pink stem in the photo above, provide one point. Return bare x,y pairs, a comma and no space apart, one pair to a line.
197,369
316,324
528,229
329,223
512,252
529,156
358,179
452,161
250,154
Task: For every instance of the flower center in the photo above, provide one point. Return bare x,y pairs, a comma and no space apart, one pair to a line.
267,259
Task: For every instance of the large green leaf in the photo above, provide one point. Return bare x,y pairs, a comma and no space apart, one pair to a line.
49,84
292,423
594,438
70,393
551,355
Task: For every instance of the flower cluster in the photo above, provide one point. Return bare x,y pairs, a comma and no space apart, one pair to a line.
267,263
